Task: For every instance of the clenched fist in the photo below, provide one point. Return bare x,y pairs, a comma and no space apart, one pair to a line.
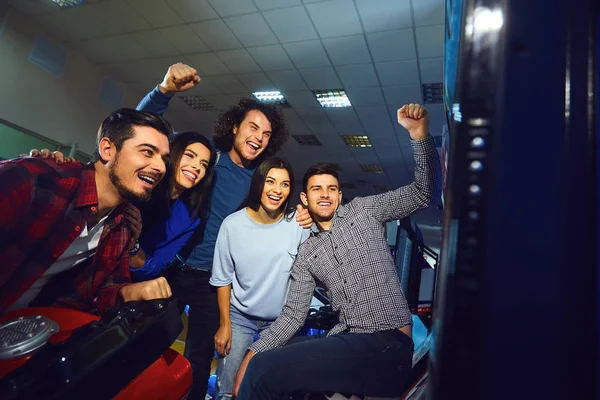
149,290
179,78
415,119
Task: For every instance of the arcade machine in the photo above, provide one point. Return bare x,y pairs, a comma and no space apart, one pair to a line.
55,353
517,298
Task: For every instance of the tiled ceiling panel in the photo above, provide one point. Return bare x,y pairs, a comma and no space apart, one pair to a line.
399,73
357,75
208,64
216,34
256,82
238,61
321,78
308,54
184,39
287,80
271,58
392,45
156,12
265,5
432,69
193,11
227,8
430,40
291,24
251,30
384,15
379,51
347,50
335,18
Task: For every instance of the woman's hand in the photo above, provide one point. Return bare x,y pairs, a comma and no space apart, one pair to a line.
223,340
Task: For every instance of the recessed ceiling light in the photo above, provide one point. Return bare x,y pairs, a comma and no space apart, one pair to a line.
433,93
357,141
307,140
332,98
372,168
67,3
198,103
273,97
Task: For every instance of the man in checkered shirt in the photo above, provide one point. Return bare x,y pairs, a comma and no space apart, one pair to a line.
369,352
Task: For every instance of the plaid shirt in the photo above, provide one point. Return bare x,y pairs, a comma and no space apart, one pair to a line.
43,207
353,260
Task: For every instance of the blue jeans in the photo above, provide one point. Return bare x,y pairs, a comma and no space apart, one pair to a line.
368,364
244,330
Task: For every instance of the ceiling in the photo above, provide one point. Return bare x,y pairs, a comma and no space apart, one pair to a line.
378,51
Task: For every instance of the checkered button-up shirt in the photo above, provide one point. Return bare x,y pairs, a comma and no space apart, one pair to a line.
353,261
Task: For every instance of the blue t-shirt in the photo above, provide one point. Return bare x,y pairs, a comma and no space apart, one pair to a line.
257,260
231,186
163,242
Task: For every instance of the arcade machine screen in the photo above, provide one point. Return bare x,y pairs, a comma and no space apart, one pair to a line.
519,259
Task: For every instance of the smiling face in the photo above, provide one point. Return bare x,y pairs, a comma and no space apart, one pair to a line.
191,167
139,165
251,137
323,196
276,191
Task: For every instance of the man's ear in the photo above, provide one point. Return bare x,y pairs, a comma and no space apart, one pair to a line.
234,129
304,199
107,149
340,199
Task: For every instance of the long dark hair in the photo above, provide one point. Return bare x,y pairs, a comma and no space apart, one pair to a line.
258,184
223,126
196,198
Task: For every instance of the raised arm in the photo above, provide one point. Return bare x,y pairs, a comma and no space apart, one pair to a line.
426,187
179,78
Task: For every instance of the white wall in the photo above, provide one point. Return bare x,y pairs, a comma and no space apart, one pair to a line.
66,108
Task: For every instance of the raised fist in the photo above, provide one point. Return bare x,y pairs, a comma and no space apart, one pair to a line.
179,78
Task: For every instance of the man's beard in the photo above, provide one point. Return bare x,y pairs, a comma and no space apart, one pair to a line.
124,192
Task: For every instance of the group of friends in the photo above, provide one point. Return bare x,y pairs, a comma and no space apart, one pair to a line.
211,222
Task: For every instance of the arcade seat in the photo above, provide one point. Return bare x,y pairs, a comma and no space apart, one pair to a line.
56,353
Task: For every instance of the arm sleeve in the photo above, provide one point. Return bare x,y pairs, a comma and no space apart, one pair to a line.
294,313
416,196
15,197
108,294
223,264
155,102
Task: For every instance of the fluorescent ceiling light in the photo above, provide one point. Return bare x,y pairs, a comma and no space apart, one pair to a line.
357,141
372,168
198,103
274,96
332,98
307,140
67,3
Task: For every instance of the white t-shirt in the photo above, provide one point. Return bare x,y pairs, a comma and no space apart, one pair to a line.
80,250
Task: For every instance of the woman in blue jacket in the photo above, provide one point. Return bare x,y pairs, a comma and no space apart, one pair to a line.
178,205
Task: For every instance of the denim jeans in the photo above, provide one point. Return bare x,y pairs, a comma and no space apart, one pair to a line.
368,364
244,331
191,287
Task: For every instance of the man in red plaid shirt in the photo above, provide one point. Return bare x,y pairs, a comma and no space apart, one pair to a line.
63,238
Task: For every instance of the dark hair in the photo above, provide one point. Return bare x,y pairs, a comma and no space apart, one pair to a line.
225,122
118,127
258,184
319,169
196,198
